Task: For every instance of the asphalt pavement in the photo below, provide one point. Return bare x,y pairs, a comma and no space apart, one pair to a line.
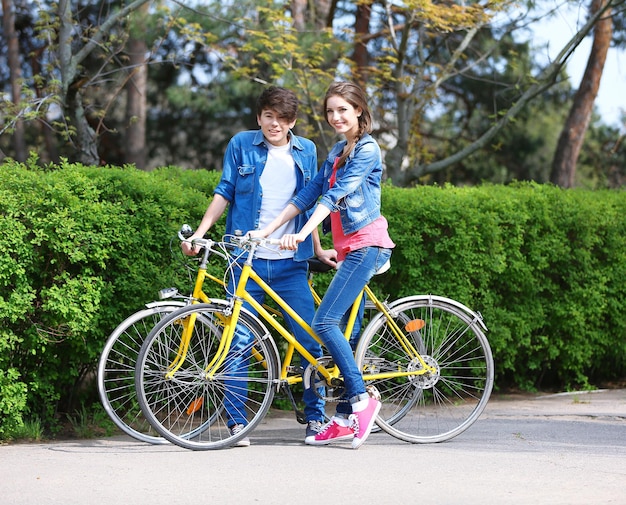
525,449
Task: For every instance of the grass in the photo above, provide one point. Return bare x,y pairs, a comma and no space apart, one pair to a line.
91,423
28,431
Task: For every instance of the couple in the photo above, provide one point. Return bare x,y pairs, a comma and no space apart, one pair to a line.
269,182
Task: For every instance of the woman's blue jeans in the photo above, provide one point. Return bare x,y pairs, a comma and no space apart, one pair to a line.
353,274
290,280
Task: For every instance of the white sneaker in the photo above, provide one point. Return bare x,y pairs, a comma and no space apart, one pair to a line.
234,430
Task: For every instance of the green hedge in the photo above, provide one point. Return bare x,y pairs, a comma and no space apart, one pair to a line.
83,247
544,266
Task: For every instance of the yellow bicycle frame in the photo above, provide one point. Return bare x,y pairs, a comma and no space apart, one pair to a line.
241,296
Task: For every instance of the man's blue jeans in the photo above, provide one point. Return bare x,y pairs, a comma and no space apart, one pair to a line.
289,279
353,274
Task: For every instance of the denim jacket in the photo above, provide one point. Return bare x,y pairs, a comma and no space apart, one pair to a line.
356,194
244,161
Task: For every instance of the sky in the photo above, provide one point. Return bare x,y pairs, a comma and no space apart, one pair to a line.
611,99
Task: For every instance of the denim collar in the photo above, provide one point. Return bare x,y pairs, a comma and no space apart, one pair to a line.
259,139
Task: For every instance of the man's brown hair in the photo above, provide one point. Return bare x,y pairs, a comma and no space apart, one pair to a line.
282,101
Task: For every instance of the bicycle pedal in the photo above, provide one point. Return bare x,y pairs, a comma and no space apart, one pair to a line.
373,392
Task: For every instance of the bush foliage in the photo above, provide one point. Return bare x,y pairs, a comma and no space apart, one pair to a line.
83,247
543,265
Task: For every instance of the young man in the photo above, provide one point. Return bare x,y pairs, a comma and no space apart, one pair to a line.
263,169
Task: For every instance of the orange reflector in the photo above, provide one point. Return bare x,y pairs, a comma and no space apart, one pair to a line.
414,325
195,406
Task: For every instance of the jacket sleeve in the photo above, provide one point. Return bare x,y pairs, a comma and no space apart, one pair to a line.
228,181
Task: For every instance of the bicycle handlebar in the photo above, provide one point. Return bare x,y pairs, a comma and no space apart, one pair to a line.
245,241
240,241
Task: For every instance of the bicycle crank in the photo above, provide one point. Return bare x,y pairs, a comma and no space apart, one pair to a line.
312,378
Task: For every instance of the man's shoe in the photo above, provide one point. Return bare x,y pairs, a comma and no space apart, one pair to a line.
312,429
334,431
244,442
362,422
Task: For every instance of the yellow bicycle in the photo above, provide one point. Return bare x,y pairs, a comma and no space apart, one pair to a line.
116,366
427,355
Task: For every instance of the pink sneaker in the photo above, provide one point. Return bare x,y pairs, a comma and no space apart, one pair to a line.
333,431
363,421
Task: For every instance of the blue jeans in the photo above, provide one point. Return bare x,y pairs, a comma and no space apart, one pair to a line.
289,279
354,273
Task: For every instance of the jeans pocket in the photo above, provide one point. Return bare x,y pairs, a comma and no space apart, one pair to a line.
382,259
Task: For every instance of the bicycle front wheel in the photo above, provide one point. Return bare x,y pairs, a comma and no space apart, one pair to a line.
116,372
191,400
438,405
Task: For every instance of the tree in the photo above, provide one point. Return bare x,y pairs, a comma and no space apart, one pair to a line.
15,77
573,133
444,39
137,91
73,82
445,81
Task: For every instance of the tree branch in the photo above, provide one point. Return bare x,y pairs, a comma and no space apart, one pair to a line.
545,80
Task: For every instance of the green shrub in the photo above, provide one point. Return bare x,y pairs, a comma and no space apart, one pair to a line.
12,402
81,248
544,266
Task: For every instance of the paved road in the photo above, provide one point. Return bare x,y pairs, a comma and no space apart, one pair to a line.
557,449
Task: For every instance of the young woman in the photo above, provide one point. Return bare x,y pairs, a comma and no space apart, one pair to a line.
346,189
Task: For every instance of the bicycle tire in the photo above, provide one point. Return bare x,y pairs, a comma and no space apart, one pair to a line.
188,408
116,371
436,407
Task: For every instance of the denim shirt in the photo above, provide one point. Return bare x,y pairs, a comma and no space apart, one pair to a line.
244,162
356,194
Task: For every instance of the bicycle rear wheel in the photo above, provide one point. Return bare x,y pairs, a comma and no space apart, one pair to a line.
181,401
116,372
437,406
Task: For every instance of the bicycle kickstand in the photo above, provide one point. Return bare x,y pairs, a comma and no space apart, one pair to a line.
300,417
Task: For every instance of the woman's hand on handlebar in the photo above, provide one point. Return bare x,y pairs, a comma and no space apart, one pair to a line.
290,241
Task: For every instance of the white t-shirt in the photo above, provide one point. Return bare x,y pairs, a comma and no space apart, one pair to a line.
278,186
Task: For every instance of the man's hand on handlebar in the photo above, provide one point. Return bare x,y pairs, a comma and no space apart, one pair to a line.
189,248
257,234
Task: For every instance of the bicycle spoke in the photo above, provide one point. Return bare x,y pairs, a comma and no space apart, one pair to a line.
116,373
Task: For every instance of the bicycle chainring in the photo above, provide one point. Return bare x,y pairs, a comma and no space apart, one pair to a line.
323,390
